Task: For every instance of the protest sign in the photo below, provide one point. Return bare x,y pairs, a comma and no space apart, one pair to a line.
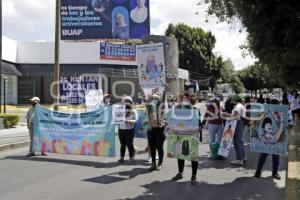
227,138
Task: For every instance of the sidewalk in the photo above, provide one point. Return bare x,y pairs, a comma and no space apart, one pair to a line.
292,191
14,138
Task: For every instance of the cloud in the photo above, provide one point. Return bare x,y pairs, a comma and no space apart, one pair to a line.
33,20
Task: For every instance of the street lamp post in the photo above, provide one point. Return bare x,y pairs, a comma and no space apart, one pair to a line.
56,59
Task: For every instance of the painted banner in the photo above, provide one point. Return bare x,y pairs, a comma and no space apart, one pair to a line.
227,138
118,114
184,121
185,147
74,88
93,100
269,132
102,19
183,130
120,52
90,133
141,125
151,65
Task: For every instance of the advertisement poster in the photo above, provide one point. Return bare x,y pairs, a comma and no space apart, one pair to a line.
269,133
93,100
227,138
74,88
120,52
118,114
141,125
104,19
151,65
185,147
90,133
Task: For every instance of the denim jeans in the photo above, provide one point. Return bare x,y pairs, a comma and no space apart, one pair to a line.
215,130
238,140
262,159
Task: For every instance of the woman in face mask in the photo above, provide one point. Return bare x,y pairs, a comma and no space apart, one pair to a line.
187,103
126,130
155,134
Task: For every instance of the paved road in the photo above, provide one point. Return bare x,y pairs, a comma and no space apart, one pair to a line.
82,177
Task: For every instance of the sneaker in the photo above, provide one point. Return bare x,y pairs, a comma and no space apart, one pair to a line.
193,180
276,176
257,174
159,165
149,159
131,161
157,158
121,160
153,167
237,162
43,154
177,177
30,154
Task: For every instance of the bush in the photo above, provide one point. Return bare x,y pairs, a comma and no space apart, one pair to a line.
10,120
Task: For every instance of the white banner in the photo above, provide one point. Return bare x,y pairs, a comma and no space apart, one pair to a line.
118,114
93,99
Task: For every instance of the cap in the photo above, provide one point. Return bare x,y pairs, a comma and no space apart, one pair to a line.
156,96
127,98
35,99
214,99
238,97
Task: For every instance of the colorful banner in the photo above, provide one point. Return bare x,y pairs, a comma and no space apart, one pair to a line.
269,132
90,133
102,19
184,121
151,65
141,125
185,147
227,138
119,52
74,88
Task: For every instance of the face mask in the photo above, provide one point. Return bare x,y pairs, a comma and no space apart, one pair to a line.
33,103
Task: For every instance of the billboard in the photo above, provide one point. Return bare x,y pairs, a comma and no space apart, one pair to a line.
121,52
103,19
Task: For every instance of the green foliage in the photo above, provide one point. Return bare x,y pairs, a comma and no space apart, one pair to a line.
227,71
10,120
273,32
195,49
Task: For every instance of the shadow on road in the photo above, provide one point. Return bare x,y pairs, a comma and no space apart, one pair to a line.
240,189
74,162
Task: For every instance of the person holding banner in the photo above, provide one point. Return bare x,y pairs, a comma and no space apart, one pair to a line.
187,102
126,131
155,134
106,100
238,113
30,119
267,129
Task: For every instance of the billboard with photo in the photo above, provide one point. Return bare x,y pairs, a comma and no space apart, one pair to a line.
104,19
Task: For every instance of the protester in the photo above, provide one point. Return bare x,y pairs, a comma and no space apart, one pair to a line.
261,99
228,107
238,113
263,156
285,100
187,101
30,119
126,131
214,121
155,134
106,100
295,105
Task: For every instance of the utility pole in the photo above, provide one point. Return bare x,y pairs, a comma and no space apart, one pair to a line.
56,59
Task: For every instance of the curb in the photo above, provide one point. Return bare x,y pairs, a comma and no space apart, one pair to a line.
5,147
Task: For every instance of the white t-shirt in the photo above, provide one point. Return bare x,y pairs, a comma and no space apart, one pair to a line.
295,103
126,125
139,15
240,109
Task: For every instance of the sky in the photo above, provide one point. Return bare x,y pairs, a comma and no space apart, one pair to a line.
33,20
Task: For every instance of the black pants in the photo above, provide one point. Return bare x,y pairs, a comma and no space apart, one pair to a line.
126,139
194,166
262,160
156,140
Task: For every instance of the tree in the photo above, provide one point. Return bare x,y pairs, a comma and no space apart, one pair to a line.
237,85
195,49
227,71
273,32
